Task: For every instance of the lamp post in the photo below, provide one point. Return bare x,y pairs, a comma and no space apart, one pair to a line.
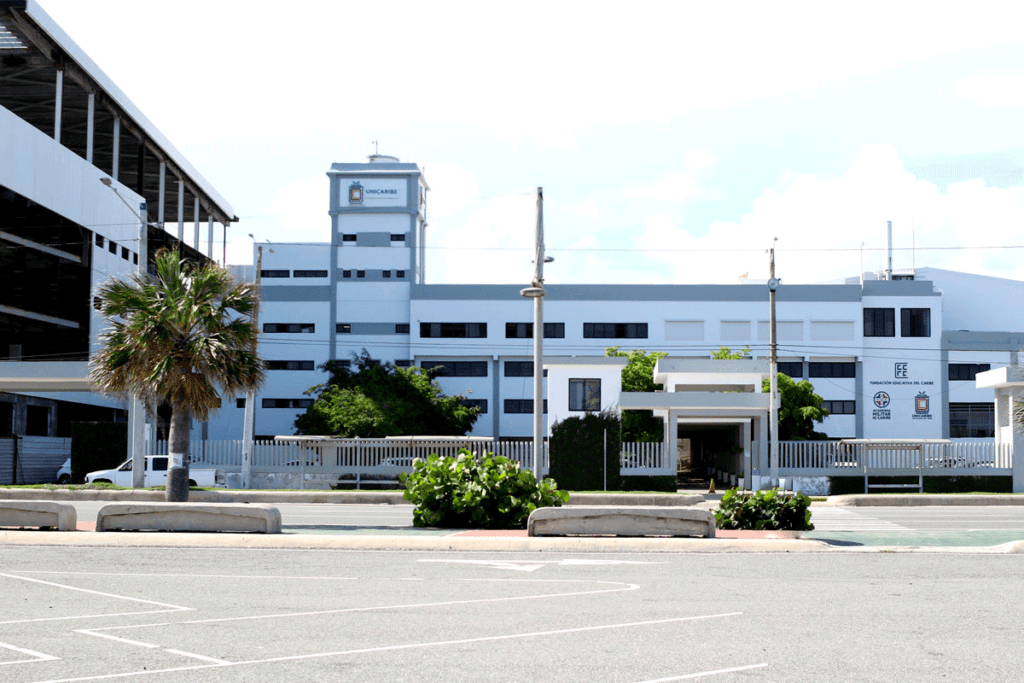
136,411
773,284
249,421
536,292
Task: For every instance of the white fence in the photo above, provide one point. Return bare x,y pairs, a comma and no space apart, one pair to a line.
834,458
32,459
358,457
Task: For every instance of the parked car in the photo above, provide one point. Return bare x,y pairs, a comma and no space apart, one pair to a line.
64,473
155,475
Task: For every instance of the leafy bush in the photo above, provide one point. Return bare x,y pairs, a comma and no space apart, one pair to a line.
463,492
581,457
764,510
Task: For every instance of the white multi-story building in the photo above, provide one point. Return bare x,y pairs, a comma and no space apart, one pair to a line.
893,356
87,187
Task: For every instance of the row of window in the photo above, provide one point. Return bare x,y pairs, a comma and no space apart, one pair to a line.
838,370
525,330
967,371
881,322
386,274
351,237
126,254
293,273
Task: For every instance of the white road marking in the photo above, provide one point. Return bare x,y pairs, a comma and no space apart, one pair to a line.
214,660
532,566
93,632
200,576
170,608
409,646
618,587
702,674
838,519
36,656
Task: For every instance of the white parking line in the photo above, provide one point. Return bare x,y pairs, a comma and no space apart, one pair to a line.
702,674
170,608
36,656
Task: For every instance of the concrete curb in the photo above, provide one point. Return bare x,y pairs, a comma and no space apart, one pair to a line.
228,517
317,497
710,546
903,500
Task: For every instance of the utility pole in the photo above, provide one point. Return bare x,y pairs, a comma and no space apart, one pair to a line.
137,411
249,421
536,292
773,284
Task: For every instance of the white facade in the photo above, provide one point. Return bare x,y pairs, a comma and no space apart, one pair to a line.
880,353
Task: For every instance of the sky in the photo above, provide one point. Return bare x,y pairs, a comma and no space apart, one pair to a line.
676,142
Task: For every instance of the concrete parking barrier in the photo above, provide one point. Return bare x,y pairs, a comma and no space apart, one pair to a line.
42,514
239,517
621,520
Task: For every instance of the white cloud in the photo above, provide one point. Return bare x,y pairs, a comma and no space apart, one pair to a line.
679,186
821,224
992,90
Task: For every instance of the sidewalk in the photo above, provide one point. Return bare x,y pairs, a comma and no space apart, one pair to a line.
411,538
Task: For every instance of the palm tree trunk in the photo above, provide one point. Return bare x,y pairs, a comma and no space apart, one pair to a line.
178,450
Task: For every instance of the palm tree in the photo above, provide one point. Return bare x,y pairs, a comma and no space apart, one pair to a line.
177,338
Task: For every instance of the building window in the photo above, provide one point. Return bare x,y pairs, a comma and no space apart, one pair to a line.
135,259
274,273
289,328
346,273
289,365
343,328
401,328
239,402
520,368
400,274
403,363
360,273
972,420
453,330
97,303
836,370
585,395
525,330
343,363
99,241
791,368
480,403
966,371
125,253
879,322
457,368
112,246
397,238
521,405
615,330
310,273
386,273
915,322
840,407
348,238
288,403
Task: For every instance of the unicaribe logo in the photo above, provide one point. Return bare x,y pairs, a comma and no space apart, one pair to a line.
922,407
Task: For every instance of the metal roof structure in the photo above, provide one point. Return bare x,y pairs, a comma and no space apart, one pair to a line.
37,58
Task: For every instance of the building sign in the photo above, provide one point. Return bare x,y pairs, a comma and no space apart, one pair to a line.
368,192
881,410
900,393
921,407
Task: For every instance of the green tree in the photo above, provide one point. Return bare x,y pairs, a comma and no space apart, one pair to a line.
177,338
374,400
725,353
638,375
800,408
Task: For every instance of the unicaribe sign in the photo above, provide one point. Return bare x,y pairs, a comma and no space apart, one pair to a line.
369,192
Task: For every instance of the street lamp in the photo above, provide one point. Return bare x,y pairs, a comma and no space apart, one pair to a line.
536,292
136,411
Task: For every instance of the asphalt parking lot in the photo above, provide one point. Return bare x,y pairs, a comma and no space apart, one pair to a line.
187,614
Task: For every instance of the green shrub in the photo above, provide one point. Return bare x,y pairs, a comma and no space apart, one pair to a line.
585,452
463,492
764,510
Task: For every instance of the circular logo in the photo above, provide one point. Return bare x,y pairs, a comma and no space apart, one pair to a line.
881,399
